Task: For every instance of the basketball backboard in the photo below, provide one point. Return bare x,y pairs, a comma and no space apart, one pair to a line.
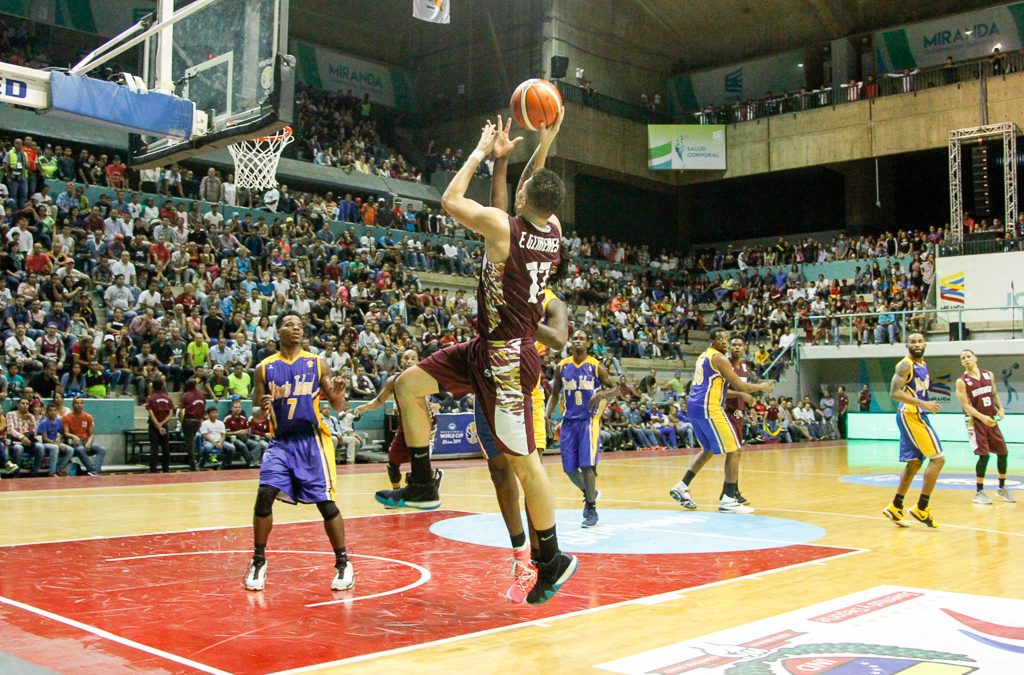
227,56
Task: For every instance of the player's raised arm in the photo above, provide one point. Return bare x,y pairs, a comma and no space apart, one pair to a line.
725,368
503,147
540,154
490,223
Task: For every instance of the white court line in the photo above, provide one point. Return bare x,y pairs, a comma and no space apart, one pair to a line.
425,575
99,632
545,622
104,495
214,527
647,461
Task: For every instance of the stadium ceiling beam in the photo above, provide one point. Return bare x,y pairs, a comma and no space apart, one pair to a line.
837,17
660,19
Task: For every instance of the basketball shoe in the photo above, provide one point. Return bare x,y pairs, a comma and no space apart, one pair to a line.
681,493
344,578
1006,495
256,576
416,496
924,516
731,505
589,515
981,498
551,576
524,576
895,515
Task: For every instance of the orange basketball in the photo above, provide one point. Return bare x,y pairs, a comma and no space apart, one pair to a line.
535,102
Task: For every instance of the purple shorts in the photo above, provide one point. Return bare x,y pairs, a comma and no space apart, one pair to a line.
301,467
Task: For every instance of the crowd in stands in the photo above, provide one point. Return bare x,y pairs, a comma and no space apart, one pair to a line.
904,81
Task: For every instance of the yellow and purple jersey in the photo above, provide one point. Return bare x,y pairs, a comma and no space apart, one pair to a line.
294,387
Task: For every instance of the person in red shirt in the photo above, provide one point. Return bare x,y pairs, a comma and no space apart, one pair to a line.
160,409
259,435
116,174
842,407
80,433
191,414
39,261
238,433
864,399
159,258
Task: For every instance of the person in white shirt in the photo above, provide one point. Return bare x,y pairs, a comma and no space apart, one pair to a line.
150,212
213,433
228,194
22,235
213,218
149,298
300,304
270,199
124,266
119,296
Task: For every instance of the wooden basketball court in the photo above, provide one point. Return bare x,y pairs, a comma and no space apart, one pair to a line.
122,574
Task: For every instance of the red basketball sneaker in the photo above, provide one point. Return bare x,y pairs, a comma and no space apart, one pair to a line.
524,575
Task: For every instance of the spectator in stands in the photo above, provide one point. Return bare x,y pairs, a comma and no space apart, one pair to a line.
80,434
237,432
21,432
213,434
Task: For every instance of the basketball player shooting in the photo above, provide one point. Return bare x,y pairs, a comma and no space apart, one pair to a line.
500,366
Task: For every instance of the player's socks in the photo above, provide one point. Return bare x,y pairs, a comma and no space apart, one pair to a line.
340,557
394,475
548,544
259,551
922,502
420,459
731,490
897,501
518,540
1002,481
980,485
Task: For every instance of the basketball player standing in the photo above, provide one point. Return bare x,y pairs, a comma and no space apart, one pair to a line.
976,389
918,441
299,464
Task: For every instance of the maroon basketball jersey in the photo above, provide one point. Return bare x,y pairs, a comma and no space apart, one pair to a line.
733,404
510,293
981,392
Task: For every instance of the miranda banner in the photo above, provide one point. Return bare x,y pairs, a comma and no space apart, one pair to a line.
962,36
686,146
327,69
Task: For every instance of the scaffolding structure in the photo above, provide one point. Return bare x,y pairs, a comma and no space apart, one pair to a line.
1008,131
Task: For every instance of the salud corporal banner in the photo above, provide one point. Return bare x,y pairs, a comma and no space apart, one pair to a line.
962,36
686,146
327,69
455,434
981,282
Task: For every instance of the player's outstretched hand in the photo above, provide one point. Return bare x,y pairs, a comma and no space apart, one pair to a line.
767,386
487,136
503,145
548,134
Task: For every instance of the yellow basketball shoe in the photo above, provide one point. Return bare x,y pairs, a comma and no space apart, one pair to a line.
895,515
924,516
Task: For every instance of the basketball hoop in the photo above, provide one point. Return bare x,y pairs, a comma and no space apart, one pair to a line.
256,159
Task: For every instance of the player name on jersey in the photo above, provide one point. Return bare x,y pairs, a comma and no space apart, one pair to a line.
543,244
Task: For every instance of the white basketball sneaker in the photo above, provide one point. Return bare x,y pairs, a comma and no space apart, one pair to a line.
256,576
344,579
1006,495
981,498
730,505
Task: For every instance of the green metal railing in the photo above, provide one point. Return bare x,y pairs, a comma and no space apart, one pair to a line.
905,322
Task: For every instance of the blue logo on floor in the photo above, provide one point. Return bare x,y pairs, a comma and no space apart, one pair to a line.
644,531
956,481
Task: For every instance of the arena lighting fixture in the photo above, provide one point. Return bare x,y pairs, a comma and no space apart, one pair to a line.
799,65
969,31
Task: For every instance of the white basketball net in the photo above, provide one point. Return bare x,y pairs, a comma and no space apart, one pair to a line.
256,159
